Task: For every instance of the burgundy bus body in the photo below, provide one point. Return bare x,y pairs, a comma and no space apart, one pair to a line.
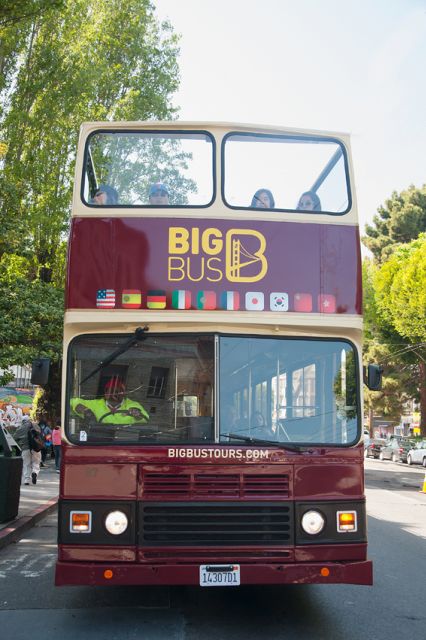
136,475
133,253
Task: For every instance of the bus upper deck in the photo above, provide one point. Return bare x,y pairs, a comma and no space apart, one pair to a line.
211,243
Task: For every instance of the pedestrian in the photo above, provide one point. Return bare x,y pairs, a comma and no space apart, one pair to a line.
30,457
46,432
56,442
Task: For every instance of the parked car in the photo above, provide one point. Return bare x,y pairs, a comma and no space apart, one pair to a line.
417,455
396,449
372,450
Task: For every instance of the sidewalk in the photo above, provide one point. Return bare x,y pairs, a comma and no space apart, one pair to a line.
36,501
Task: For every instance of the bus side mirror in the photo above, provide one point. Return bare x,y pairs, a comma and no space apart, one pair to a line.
40,371
373,377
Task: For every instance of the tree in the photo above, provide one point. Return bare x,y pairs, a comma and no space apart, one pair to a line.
400,286
31,316
63,63
398,223
401,220
384,345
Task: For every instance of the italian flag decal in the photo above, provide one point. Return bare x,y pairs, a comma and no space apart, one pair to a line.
181,299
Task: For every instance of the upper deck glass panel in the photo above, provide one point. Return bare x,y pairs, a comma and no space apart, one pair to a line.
149,168
286,172
163,168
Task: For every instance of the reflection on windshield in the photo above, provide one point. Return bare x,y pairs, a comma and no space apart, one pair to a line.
148,169
162,390
288,391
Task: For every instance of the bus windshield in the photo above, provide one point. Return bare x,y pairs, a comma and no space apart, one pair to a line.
168,389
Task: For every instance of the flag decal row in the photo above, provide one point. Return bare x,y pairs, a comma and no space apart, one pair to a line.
210,300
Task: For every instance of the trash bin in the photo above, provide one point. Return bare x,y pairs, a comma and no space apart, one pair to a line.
10,476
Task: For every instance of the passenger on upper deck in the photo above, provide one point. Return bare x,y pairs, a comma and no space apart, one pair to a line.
159,194
263,199
309,201
105,194
113,408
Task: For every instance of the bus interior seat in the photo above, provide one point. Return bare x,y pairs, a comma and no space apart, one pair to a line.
201,429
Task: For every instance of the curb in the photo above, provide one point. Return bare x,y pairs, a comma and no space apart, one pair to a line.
19,526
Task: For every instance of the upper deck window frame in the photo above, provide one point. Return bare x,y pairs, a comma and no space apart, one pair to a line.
290,136
175,132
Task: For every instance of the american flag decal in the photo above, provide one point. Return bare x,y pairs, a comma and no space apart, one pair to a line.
105,299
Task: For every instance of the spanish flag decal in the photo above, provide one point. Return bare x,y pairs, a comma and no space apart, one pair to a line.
131,299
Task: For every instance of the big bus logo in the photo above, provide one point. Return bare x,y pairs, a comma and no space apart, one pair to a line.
237,255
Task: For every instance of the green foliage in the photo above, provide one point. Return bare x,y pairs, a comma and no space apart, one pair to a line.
395,327
395,301
62,62
401,220
400,286
18,11
31,316
345,386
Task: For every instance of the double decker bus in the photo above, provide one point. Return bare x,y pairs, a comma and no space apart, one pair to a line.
212,385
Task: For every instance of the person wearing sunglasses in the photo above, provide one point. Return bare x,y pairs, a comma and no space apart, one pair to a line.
159,194
309,201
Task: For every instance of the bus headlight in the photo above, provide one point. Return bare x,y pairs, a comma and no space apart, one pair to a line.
116,522
312,522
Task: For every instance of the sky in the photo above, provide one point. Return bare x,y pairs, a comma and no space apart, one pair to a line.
354,66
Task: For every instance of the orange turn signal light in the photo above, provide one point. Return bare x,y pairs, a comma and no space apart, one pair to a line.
346,521
325,572
108,574
80,521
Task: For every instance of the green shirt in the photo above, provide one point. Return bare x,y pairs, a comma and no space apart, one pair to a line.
101,410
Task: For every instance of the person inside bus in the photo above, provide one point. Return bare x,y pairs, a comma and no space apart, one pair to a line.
260,427
113,408
309,201
263,199
105,195
159,194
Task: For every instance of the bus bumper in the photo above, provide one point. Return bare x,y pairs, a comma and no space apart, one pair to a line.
69,574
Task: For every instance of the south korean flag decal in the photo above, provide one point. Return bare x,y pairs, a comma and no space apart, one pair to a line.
278,301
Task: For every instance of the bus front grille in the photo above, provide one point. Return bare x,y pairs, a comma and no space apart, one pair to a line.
215,524
208,485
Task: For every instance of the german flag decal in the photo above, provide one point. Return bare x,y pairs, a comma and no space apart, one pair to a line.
156,299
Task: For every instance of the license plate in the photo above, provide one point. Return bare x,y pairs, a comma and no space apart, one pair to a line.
219,575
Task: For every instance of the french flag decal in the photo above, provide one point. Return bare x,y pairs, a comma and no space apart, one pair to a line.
230,300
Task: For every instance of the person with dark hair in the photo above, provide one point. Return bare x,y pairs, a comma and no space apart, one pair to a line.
105,195
309,201
263,199
56,440
159,194
46,432
113,408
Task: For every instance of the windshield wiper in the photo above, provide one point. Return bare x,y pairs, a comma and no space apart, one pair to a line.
282,445
138,336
